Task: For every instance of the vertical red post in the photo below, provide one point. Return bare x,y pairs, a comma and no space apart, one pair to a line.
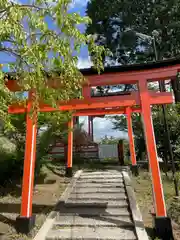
26,220
70,149
134,166
130,134
163,224
86,91
92,129
159,202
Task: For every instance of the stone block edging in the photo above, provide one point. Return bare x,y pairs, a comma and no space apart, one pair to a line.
136,214
42,233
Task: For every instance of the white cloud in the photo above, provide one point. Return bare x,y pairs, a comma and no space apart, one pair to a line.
79,3
102,127
84,63
15,1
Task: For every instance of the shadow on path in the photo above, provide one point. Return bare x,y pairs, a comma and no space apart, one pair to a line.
150,232
98,212
7,220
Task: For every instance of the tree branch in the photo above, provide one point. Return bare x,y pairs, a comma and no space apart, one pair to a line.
10,51
31,6
22,6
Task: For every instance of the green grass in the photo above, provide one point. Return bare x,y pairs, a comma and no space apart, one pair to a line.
143,189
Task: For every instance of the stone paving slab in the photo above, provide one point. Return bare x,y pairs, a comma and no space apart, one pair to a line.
102,180
95,207
118,174
106,176
104,196
98,185
94,203
98,221
98,190
95,211
109,172
93,233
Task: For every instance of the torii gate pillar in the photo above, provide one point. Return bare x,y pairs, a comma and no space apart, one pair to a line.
134,167
90,127
26,221
69,172
163,225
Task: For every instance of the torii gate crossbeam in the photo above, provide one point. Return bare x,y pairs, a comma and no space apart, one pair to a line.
143,98
97,103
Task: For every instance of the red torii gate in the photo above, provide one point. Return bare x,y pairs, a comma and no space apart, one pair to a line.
143,99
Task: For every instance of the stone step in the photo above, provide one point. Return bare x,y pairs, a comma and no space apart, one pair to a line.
110,172
98,221
105,199
102,180
104,196
96,208
102,177
95,211
96,203
99,185
91,233
99,190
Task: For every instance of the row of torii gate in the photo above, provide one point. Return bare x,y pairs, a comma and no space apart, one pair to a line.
138,101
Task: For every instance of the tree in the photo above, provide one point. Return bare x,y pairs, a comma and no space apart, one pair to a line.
17,136
12,161
109,140
43,41
172,117
111,19
120,123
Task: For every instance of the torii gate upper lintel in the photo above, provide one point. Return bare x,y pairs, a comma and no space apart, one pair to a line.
139,101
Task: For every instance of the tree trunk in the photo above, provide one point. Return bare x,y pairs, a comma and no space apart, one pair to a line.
121,153
176,89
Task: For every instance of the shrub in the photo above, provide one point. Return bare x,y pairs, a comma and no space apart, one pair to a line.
174,210
7,160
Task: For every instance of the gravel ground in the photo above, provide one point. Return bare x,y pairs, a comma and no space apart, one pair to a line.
143,190
46,195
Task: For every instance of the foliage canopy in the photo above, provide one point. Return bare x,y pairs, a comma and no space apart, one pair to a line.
112,19
43,40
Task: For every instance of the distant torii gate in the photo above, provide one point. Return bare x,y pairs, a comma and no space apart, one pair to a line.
143,99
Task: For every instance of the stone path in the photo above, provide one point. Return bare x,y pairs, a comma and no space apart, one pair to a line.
95,206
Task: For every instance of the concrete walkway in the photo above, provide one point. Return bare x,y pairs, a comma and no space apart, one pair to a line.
96,205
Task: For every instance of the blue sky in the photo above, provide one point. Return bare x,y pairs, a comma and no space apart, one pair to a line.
76,6
102,127
80,7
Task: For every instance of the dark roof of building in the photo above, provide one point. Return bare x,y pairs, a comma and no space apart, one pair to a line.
133,67
121,68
